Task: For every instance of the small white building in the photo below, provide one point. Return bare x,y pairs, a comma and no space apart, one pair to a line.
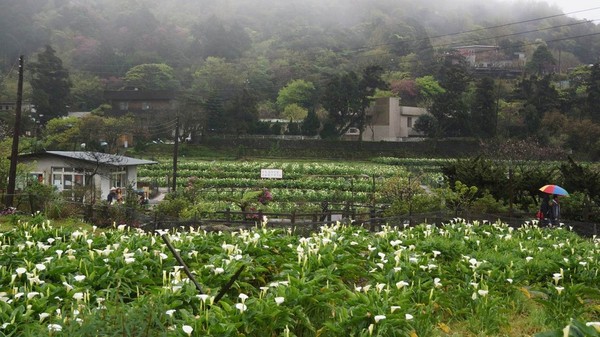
390,121
96,171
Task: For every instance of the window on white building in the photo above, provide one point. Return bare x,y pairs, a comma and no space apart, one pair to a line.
409,122
70,181
118,177
68,178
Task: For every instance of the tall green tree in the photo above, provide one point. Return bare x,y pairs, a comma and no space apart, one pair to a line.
542,62
311,124
86,93
539,98
51,86
428,88
241,111
347,97
215,38
70,133
593,94
229,103
294,112
425,63
298,92
450,107
155,76
192,115
483,109
342,100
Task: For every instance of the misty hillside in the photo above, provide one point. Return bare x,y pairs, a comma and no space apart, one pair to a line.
268,43
179,31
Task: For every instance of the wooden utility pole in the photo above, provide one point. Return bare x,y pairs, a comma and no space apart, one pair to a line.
175,150
12,172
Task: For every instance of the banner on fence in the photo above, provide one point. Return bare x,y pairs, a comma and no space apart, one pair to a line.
271,173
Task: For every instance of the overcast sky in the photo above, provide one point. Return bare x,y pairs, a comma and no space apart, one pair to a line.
579,5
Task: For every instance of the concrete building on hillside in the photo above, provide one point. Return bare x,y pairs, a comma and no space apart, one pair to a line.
392,122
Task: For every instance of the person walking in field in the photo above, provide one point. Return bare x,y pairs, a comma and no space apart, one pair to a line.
119,195
112,195
554,211
544,214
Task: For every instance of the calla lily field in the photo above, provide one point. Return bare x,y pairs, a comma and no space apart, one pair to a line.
458,278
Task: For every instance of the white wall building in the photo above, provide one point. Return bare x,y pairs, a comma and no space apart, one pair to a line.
70,170
390,121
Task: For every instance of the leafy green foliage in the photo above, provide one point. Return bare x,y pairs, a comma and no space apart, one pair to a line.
311,124
346,98
152,76
299,92
449,107
542,62
484,109
294,112
459,277
51,86
593,93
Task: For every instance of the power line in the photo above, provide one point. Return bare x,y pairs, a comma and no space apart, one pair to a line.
515,34
512,23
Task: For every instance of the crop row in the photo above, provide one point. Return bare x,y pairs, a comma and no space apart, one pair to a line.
308,184
291,195
291,170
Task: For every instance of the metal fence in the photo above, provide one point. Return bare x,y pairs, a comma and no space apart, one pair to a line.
308,222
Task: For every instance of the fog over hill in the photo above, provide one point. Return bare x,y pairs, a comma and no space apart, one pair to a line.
107,37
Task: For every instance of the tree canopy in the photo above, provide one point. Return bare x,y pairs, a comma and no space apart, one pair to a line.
51,86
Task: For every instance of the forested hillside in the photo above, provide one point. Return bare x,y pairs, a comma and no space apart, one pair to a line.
108,37
236,60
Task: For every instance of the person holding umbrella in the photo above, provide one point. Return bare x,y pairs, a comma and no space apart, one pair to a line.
554,210
550,209
545,210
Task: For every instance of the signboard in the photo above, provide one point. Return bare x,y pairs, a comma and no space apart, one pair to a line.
271,173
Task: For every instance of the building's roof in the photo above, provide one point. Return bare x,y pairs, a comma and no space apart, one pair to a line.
99,157
477,46
139,95
79,114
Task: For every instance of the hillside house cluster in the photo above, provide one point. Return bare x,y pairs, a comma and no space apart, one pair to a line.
490,60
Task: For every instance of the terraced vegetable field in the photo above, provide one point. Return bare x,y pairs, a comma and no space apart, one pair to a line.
306,183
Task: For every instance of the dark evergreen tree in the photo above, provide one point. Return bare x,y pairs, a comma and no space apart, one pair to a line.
449,107
214,38
347,97
483,110
593,94
342,100
50,85
425,63
429,125
241,113
545,96
542,62
311,124
539,98
532,118
293,128
276,128
216,123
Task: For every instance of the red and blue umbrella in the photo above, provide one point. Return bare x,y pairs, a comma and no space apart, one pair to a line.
554,189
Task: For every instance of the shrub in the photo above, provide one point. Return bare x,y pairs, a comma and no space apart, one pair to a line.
172,207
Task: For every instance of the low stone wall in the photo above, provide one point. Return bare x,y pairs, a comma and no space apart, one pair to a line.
343,149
